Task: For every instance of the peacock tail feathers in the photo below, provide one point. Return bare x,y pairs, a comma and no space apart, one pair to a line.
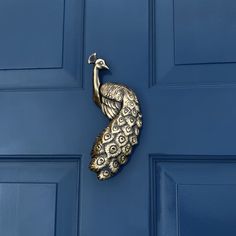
114,145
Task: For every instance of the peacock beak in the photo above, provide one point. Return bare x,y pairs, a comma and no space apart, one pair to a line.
106,67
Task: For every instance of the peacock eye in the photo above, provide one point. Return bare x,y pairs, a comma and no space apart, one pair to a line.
101,63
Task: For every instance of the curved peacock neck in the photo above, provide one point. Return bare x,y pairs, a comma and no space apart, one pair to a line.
96,86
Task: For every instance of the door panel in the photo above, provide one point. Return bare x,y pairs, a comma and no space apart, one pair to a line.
24,204
204,32
39,197
192,42
192,195
41,44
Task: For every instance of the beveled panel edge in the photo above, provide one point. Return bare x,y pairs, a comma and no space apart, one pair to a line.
67,82
152,50
154,159
34,158
152,43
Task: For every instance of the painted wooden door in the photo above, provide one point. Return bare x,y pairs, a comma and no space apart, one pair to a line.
179,56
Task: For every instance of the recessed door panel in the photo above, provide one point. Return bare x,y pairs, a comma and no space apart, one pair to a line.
41,44
192,42
193,195
39,197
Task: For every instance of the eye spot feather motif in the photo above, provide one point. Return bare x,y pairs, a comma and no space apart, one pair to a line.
120,104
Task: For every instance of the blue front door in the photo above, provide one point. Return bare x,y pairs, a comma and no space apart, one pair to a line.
178,56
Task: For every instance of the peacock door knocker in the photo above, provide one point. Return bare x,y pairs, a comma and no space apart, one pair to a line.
120,104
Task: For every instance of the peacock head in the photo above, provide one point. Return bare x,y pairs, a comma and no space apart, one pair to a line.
98,63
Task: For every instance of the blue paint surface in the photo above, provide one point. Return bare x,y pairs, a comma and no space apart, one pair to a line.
181,66
39,196
192,195
23,23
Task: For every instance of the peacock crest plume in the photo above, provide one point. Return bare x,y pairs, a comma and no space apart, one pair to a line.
120,104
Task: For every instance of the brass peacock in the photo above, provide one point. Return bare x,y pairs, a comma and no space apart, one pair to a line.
121,106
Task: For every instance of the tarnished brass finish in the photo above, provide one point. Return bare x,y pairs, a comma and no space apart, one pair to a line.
121,106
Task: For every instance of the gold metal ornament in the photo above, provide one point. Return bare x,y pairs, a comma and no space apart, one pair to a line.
120,104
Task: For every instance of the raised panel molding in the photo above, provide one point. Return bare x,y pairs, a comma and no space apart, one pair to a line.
191,195
39,195
42,44
188,48
31,34
204,32
22,206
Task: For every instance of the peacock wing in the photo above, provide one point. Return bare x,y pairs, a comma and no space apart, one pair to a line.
111,99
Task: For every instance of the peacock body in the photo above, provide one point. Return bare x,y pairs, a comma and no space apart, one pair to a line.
114,145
